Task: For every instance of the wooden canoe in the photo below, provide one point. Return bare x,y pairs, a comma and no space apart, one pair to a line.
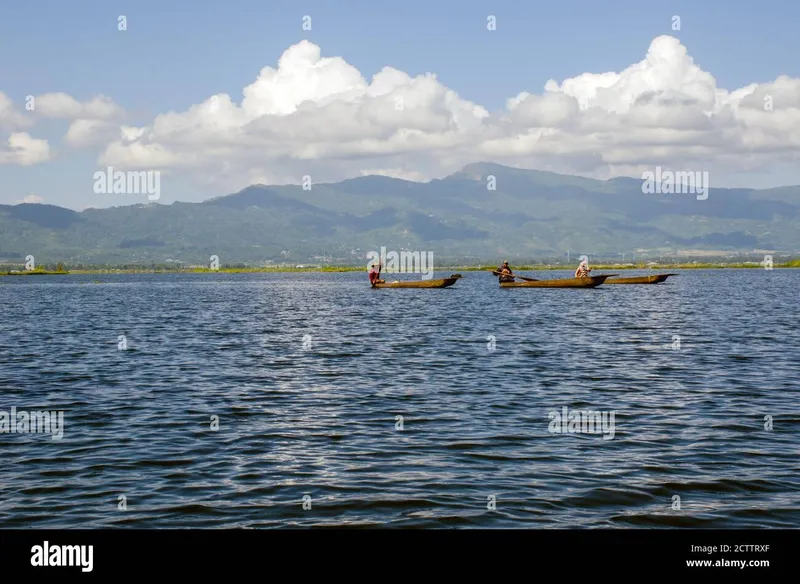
441,283
655,279
588,282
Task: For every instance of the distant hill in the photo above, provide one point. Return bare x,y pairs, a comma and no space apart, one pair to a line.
530,214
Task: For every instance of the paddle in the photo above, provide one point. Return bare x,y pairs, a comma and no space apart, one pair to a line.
516,276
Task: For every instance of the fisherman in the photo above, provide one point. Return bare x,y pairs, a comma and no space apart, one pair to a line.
505,273
583,270
375,274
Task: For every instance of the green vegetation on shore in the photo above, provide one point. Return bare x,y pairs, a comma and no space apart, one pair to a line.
155,269
36,272
653,266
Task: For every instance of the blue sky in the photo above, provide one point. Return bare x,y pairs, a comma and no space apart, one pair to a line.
178,53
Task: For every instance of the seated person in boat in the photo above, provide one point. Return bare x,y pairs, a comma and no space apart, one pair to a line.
375,275
583,270
506,275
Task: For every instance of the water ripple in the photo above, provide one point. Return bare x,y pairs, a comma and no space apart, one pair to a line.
295,400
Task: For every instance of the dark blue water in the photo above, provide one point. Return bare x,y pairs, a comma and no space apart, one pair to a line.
695,370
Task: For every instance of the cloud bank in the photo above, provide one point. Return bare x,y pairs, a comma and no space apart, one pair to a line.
319,116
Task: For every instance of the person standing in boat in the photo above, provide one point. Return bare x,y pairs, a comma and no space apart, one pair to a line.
583,270
506,275
375,274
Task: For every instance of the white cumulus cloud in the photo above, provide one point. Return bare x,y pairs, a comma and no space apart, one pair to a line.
319,116
31,199
11,118
24,150
62,105
94,122
83,133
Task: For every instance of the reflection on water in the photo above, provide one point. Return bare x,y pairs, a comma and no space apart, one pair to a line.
309,375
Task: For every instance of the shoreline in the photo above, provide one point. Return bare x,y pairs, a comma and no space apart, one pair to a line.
341,269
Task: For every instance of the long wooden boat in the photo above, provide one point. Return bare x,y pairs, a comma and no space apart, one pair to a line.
587,282
654,279
441,283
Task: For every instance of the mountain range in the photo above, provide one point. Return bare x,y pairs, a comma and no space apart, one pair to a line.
482,213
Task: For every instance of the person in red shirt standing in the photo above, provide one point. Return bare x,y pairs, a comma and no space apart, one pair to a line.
375,275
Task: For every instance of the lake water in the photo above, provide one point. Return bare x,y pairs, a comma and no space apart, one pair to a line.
341,405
